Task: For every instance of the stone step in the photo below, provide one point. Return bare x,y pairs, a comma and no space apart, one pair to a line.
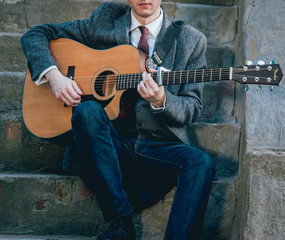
20,151
29,237
47,204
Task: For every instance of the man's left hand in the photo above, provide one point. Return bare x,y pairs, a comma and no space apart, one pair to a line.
150,91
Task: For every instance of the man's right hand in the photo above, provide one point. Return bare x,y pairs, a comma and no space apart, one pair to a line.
64,88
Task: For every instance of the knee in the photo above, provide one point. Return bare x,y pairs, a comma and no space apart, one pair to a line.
88,112
202,161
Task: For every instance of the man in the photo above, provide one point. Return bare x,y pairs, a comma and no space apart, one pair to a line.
132,167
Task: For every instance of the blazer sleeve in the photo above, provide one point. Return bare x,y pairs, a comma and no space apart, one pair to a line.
184,106
35,42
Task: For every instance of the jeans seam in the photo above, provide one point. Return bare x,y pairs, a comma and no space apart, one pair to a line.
158,160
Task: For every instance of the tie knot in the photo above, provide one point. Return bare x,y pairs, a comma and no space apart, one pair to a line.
143,30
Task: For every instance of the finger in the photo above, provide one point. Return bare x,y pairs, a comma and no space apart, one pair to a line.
71,91
71,101
151,86
63,99
76,88
142,89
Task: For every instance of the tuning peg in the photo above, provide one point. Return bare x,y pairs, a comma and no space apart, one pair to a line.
248,62
272,62
246,88
259,88
271,88
260,62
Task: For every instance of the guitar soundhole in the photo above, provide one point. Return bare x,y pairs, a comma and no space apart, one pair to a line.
105,84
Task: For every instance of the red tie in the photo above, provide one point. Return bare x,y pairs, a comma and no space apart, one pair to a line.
143,45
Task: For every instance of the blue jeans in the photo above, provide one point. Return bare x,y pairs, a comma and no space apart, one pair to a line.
135,170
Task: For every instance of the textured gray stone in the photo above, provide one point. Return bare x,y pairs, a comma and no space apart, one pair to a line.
265,218
11,91
12,17
222,142
12,56
219,102
263,27
217,23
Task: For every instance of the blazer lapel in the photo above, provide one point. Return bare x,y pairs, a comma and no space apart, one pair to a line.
122,28
166,23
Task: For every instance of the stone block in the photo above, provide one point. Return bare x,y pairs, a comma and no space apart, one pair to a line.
219,102
46,237
221,142
220,57
12,56
11,91
58,11
217,23
29,153
31,204
265,215
263,27
12,17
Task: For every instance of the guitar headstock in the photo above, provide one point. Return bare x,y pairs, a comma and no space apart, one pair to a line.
270,74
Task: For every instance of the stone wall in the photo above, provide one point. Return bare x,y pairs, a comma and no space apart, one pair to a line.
261,190
36,199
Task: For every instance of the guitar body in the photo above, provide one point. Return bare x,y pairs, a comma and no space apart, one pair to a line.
95,73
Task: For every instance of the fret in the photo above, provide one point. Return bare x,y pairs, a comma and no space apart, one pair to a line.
121,81
168,78
137,79
187,80
195,76
133,80
220,75
211,76
124,82
203,75
173,82
127,81
130,80
180,76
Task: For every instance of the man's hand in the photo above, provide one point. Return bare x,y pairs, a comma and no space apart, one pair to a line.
150,91
64,88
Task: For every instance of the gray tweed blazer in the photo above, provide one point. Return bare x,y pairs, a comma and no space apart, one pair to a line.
109,26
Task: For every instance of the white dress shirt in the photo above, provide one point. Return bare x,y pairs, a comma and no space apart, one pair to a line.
153,31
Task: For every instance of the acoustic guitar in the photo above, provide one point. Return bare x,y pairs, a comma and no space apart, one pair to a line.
106,74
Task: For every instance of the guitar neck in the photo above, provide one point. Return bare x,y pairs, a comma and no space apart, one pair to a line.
131,80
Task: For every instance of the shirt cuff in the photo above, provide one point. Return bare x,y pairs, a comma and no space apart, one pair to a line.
42,79
159,108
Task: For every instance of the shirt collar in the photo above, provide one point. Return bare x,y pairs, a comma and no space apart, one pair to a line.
153,27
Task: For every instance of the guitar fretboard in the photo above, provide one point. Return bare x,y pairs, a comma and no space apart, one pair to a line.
131,80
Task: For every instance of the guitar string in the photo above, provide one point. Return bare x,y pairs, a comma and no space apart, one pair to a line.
176,74
175,77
